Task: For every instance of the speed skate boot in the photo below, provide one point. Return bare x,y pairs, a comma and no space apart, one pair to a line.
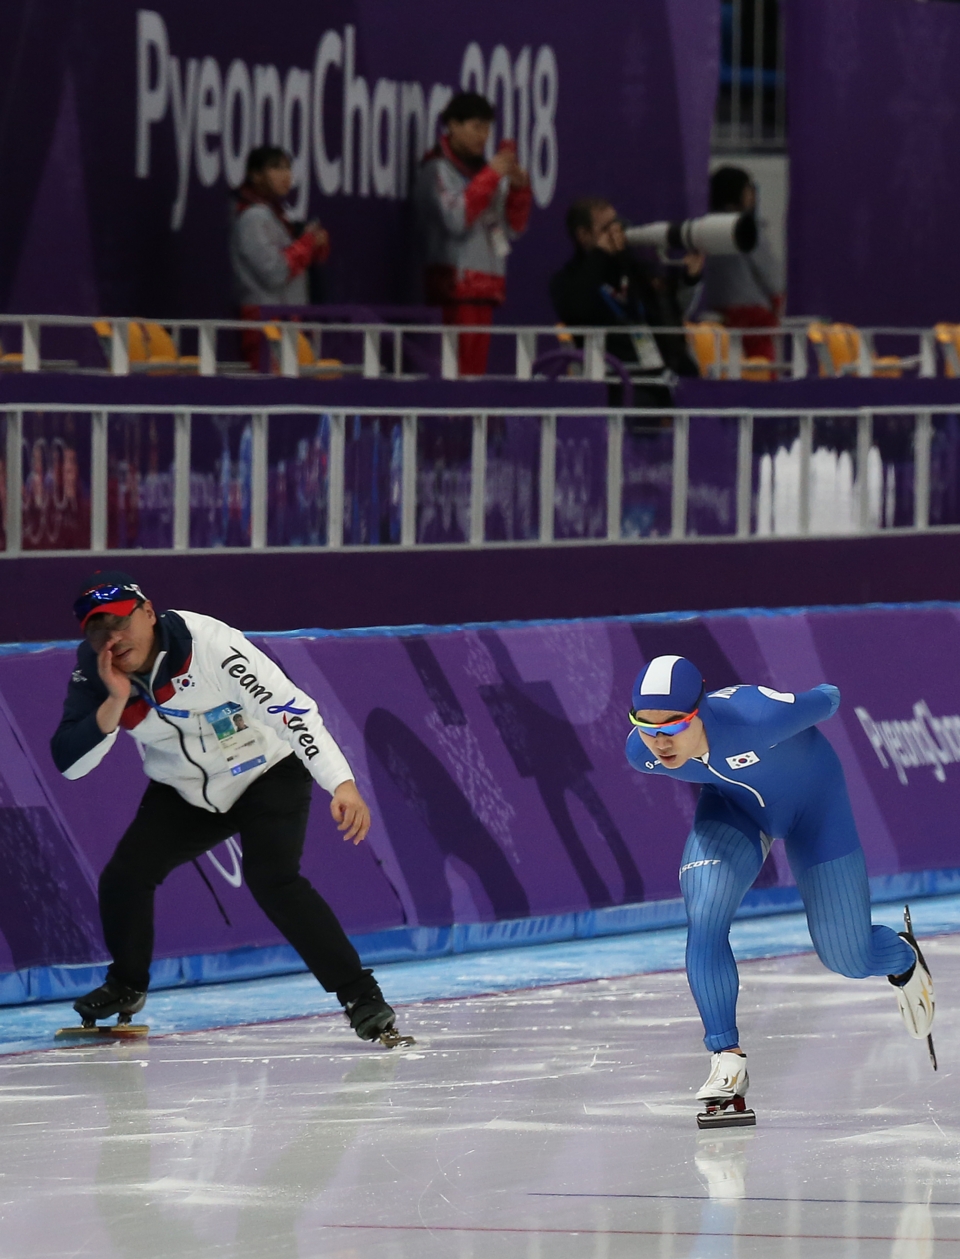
110,998
372,1019
915,992
724,1093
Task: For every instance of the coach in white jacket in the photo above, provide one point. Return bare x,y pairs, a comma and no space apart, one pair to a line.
231,746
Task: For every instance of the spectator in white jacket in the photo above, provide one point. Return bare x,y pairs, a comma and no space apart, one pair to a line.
469,211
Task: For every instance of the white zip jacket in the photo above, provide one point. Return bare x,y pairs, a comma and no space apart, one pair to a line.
215,715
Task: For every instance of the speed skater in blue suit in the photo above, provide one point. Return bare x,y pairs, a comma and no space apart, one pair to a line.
766,773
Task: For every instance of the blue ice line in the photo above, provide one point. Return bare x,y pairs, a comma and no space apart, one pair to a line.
407,944
459,976
699,1197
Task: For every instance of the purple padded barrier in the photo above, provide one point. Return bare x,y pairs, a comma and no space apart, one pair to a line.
492,758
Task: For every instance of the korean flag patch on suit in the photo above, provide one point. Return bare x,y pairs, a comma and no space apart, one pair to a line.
742,760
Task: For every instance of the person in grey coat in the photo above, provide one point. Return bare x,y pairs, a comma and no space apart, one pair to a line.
746,290
470,210
269,254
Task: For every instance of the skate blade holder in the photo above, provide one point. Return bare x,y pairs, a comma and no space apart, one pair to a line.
391,1039
89,1029
727,1113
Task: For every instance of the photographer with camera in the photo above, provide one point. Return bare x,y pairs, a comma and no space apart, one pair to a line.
605,285
469,211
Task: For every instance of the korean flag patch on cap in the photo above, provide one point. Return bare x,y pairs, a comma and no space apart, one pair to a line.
742,760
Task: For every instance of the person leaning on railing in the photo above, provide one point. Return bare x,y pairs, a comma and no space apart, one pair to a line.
605,285
270,255
469,211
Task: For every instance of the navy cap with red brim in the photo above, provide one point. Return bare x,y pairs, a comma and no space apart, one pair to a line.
109,591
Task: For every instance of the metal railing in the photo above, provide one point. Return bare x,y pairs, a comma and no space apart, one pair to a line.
612,428
380,350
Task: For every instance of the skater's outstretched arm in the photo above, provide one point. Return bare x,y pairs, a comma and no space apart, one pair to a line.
784,714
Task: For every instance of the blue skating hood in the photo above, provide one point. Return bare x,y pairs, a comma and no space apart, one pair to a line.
669,683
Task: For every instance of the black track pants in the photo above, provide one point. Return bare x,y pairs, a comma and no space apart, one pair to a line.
271,819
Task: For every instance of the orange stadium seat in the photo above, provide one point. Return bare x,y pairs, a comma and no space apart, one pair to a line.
161,349
709,343
150,348
948,338
838,346
308,362
10,362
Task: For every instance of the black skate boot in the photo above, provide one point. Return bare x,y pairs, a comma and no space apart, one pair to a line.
110,999
372,1019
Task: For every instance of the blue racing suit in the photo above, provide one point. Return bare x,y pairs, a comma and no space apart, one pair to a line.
770,774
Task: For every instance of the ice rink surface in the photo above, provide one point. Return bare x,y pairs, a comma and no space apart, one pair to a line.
544,1113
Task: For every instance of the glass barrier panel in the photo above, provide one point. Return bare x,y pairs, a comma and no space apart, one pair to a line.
893,472
56,481
712,478
512,497
444,447
298,459
647,476
139,481
775,506
372,480
945,471
221,455
580,499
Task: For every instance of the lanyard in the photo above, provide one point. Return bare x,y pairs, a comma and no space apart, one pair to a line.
164,712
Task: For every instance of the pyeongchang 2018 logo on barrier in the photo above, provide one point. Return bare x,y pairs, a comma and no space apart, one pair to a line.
924,740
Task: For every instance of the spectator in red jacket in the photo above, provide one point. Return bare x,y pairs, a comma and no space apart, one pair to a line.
470,210
269,254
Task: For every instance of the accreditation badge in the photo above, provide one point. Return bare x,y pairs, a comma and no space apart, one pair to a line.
242,745
648,352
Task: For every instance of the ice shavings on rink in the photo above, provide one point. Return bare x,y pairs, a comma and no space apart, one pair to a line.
556,1122
295,996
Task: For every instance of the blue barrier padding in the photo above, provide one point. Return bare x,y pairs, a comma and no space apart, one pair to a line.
405,944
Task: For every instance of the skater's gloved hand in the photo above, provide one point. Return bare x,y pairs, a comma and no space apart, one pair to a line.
832,693
349,810
118,686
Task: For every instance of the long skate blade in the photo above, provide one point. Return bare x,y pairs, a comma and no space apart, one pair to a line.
932,1051
391,1039
728,1118
112,1031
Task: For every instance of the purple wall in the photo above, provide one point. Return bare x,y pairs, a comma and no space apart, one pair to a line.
493,761
286,590
103,217
874,100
